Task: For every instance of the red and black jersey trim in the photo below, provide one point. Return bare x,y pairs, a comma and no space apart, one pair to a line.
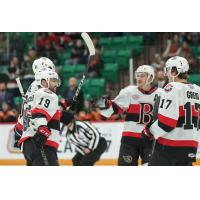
54,123
131,134
153,89
166,123
177,143
116,108
18,128
38,115
40,111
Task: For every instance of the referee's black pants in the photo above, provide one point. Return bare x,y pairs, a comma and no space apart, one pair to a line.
91,158
39,156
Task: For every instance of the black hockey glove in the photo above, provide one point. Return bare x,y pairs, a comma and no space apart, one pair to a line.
147,136
67,117
42,135
101,103
65,103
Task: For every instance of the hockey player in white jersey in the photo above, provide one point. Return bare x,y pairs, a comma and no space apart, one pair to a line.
40,138
37,66
137,102
176,129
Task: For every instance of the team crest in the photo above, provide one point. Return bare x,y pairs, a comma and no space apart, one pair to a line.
135,96
168,88
128,159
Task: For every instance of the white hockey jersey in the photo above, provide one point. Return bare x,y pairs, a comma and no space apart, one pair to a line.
26,106
177,116
138,106
44,111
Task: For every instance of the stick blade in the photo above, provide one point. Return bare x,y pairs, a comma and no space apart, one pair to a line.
89,43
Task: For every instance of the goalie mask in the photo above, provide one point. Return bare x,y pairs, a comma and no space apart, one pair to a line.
148,70
42,63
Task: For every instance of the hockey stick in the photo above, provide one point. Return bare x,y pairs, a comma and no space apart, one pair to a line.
25,123
91,49
155,116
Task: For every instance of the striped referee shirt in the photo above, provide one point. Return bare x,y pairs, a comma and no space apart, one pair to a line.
83,135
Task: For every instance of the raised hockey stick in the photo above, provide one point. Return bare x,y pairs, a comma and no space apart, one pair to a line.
20,87
25,118
91,49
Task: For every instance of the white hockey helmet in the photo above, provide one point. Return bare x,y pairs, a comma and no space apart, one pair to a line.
46,74
148,70
180,63
41,63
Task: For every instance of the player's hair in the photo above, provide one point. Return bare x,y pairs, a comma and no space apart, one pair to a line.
181,75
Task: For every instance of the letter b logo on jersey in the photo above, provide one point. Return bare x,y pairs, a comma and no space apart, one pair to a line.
145,113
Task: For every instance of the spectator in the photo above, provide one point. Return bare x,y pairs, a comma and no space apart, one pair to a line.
160,80
13,69
50,51
97,46
173,47
69,94
5,96
26,66
2,48
40,42
79,53
65,40
95,66
7,114
157,62
186,52
16,46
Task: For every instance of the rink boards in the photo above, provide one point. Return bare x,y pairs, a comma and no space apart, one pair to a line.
10,155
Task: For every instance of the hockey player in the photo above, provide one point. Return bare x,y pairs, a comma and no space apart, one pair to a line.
87,141
38,65
176,129
40,138
137,102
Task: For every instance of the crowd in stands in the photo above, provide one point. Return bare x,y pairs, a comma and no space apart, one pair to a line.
18,57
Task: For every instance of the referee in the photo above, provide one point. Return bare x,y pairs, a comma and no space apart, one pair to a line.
87,141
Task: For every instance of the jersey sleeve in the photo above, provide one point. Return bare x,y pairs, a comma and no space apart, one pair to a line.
44,107
168,112
119,104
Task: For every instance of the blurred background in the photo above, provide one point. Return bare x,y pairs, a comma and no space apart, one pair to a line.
108,72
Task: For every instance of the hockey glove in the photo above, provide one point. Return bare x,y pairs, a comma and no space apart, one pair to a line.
67,117
101,103
65,103
147,136
42,135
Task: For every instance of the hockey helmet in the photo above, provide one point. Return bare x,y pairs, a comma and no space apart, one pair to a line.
41,63
180,63
148,70
46,74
